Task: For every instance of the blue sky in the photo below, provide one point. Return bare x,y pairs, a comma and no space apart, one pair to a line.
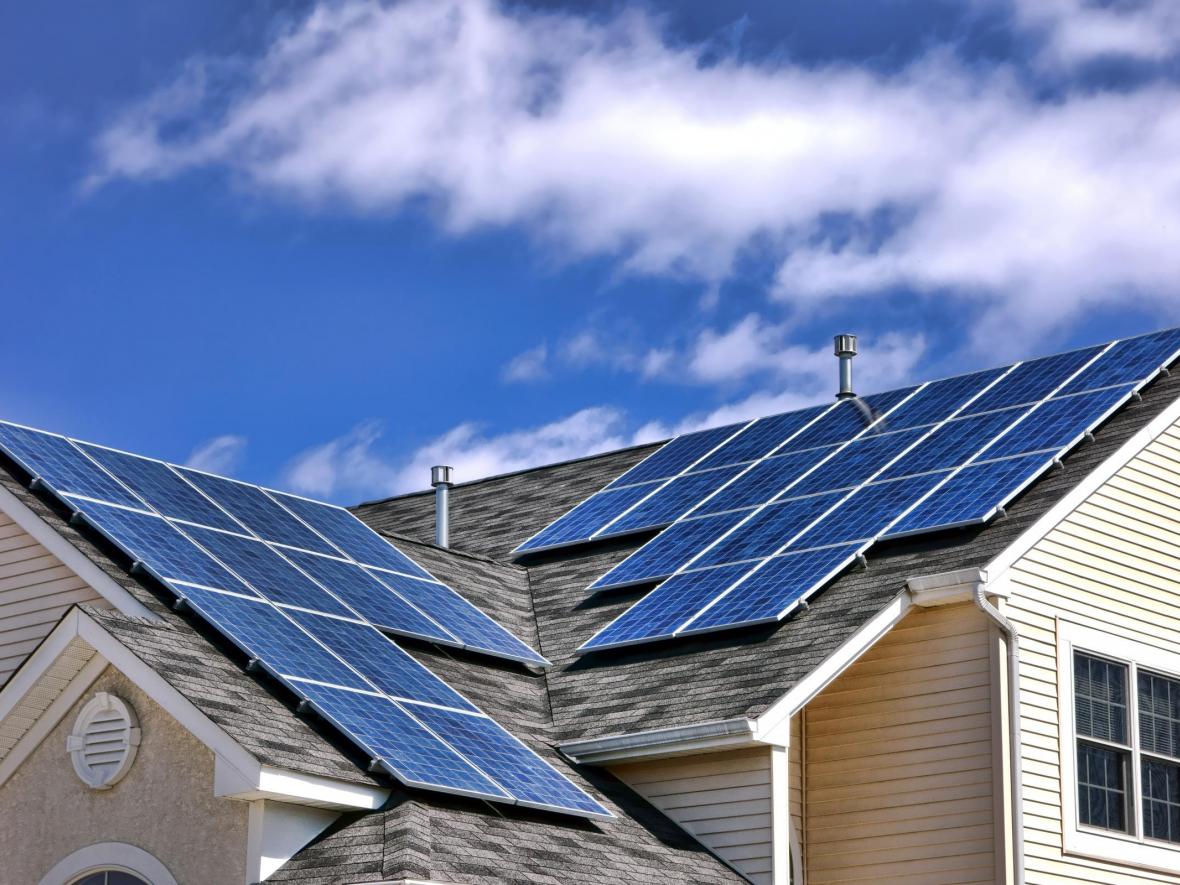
322,246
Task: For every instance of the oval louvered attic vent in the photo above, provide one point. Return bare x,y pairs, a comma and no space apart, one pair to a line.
104,741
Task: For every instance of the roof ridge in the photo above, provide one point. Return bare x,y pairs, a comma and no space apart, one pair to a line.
466,554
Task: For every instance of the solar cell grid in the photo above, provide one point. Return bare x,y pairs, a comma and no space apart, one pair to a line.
411,752
159,546
251,506
1058,423
856,462
61,465
868,511
954,443
349,534
762,437
939,399
670,502
373,600
589,517
664,609
767,530
771,592
764,481
1129,361
268,573
265,633
847,419
380,661
669,550
513,765
1033,381
677,455
474,628
162,488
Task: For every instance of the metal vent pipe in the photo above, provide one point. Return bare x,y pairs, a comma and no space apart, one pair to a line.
440,478
845,350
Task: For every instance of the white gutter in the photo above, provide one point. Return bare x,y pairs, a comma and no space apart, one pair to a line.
972,585
703,737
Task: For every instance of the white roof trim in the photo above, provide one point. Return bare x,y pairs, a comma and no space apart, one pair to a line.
998,567
772,727
73,558
237,771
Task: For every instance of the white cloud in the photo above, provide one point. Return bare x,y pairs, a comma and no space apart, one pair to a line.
1078,31
352,464
221,454
602,138
531,365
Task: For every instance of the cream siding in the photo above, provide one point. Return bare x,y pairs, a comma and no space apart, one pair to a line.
898,759
36,589
723,799
1111,565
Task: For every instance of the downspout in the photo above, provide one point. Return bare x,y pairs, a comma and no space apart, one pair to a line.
1016,762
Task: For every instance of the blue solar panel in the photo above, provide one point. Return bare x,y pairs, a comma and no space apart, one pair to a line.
768,530
257,512
1058,423
954,442
60,465
1129,361
1032,381
162,488
773,591
593,514
670,550
265,570
973,494
938,400
866,512
856,462
668,606
386,732
379,660
762,437
676,455
366,595
764,480
467,623
846,420
513,765
672,501
265,633
350,535
159,546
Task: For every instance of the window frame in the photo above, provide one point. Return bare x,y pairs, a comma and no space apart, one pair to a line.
1133,848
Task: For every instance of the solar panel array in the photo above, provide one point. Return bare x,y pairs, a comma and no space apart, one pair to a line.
756,517
305,590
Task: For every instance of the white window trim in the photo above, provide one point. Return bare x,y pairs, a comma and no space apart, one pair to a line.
1132,850
108,856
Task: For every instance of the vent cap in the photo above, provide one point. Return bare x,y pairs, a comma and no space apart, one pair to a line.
104,741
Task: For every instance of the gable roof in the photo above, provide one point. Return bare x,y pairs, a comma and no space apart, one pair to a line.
713,676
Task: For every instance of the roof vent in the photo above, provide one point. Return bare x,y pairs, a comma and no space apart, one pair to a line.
104,741
845,351
440,478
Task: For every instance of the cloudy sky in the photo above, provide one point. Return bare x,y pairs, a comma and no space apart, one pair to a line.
326,245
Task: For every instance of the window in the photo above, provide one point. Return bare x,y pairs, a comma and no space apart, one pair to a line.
109,877
1120,736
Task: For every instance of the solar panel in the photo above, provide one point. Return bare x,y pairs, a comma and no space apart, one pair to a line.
945,454
294,585
677,455
593,514
762,437
670,501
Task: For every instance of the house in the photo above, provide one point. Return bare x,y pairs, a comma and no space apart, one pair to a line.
996,701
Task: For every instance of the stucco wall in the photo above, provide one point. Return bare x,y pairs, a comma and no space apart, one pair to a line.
165,804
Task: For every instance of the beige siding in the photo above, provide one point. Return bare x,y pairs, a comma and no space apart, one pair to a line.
898,750
1112,565
36,589
722,798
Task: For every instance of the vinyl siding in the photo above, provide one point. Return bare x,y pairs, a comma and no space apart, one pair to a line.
1111,565
36,589
898,759
723,799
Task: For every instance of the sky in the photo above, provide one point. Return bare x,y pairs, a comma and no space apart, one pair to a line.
325,245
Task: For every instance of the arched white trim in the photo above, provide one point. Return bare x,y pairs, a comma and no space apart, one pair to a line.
104,741
105,856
